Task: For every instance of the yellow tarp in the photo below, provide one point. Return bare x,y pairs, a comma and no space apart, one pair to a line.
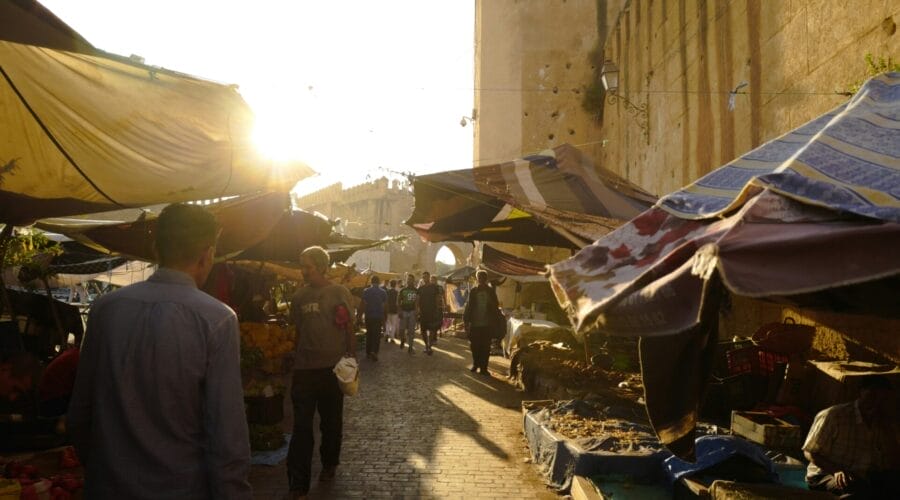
86,133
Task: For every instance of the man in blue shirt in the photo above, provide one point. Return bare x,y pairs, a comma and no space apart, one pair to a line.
373,307
158,406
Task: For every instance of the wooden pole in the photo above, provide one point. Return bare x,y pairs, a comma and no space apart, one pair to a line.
5,237
63,334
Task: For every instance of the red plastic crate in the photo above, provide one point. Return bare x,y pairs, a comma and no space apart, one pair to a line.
768,360
743,360
753,360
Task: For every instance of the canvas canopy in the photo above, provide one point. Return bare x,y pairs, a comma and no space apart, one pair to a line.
93,132
258,228
30,23
557,198
245,221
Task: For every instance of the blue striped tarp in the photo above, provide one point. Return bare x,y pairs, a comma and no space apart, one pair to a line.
847,160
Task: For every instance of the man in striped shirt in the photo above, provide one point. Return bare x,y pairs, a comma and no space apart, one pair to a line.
853,448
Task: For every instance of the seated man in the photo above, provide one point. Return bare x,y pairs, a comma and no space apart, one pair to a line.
17,374
853,448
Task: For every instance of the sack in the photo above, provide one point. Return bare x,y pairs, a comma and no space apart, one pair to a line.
347,372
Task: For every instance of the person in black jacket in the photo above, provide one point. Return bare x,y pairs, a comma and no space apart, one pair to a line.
479,319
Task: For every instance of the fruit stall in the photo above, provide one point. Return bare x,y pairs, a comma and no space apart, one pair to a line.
266,351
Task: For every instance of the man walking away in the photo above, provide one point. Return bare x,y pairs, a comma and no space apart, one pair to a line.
158,410
408,302
321,314
391,321
372,306
429,311
478,316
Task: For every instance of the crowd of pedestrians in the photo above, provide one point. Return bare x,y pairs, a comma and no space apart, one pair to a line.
399,313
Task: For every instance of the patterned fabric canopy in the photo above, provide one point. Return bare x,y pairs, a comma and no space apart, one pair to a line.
782,220
557,198
847,159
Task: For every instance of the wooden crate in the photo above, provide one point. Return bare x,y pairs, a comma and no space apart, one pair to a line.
766,430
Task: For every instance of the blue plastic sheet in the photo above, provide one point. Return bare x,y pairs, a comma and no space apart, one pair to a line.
271,457
712,450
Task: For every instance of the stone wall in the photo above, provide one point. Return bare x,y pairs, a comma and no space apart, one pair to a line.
532,66
838,336
682,58
377,209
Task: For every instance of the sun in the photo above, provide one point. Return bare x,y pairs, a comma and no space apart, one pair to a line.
276,134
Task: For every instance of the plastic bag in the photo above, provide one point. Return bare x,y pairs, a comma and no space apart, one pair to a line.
347,372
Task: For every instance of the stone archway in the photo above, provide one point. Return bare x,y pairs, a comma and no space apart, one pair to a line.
461,252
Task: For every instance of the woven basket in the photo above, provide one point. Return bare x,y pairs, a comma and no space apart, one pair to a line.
788,338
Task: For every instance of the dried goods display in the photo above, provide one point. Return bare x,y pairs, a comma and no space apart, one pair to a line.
600,427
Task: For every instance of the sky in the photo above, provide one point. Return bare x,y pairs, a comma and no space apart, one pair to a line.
357,89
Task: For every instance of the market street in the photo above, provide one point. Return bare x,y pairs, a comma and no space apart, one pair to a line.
425,427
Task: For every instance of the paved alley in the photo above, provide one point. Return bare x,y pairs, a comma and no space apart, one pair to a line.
425,427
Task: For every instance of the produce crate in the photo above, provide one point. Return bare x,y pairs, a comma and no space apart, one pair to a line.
753,360
263,410
720,358
768,360
742,360
766,430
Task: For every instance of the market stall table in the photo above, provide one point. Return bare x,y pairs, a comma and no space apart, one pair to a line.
519,331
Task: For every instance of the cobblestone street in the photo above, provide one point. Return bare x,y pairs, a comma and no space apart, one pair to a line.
425,427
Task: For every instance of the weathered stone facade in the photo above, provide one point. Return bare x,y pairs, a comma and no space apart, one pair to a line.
683,58
375,210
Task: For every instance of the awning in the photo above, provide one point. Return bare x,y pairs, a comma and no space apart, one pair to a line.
245,221
557,198
30,23
463,273
513,267
258,228
89,133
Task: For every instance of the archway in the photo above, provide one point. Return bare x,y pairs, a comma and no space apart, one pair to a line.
459,251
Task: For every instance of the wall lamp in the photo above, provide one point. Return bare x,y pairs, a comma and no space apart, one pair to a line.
469,119
609,75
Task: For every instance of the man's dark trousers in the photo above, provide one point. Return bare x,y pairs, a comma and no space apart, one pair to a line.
480,343
312,389
373,334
